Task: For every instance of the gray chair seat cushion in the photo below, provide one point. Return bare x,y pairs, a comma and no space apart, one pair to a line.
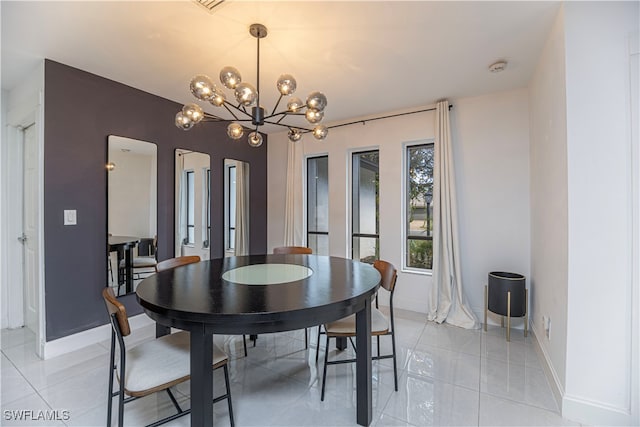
347,325
161,363
141,262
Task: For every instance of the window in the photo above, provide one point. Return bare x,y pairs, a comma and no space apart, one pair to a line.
318,204
231,208
364,206
191,204
419,207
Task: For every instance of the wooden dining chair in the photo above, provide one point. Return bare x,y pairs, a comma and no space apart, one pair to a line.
302,250
170,263
293,250
151,366
380,325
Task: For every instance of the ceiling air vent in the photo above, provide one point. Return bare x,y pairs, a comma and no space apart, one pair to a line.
209,4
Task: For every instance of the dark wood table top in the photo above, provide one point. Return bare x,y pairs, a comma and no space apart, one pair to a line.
197,294
122,240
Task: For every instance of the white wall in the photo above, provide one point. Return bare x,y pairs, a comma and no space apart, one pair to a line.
599,210
4,146
549,252
492,154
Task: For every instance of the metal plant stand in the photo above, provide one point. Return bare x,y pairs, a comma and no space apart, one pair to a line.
506,295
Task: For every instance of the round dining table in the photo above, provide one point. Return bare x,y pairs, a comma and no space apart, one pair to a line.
260,294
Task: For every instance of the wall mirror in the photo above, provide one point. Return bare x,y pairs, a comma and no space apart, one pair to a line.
193,203
131,212
236,207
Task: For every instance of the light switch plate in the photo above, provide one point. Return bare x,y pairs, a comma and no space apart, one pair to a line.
70,217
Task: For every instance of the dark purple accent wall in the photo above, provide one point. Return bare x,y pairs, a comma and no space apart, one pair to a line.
81,111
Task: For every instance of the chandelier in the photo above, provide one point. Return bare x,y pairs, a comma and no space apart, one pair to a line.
248,109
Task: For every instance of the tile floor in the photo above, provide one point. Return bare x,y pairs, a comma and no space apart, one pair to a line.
447,376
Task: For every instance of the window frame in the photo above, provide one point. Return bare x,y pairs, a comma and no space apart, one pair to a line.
229,243
353,209
405,207
307,231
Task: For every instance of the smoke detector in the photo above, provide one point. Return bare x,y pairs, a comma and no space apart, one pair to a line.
498,66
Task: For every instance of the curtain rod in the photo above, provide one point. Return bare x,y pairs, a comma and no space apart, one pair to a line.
364,121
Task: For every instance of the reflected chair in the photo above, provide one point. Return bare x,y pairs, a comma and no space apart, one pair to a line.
170,263
380,325
151,366
144,264
302,250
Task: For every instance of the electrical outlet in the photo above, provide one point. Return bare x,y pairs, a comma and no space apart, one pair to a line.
546,324
548,328
70,217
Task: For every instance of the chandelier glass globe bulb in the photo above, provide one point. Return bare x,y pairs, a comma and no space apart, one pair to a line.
183,122
218,97
255,139
294,135
320,132
294,104
286,84
230,77
235,130
202,87
314,116
193,112
317,100
246,94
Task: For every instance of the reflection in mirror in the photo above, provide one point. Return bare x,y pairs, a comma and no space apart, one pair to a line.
132,212
236,207
193,201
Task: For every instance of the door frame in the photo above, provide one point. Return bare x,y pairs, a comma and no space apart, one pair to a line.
29,110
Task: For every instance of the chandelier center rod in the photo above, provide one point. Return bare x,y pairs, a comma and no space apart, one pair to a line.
258,31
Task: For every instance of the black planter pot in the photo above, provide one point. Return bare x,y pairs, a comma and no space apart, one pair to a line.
506,295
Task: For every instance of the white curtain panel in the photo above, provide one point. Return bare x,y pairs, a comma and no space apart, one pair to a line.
242,209
447,302
181,206
293,197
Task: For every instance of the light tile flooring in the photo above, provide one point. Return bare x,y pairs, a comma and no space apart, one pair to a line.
447,376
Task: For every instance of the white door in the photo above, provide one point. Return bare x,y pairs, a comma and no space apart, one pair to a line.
30,228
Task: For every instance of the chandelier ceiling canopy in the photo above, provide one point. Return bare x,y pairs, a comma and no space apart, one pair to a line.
248,113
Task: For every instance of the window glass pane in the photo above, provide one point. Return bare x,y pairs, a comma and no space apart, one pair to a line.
319,243
419,207
365,192
420,253
318,194
366,249
318,204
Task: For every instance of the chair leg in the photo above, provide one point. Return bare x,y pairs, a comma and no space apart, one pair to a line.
378,343
244,343
318,344
395,363
324,372
306,339
121,405
111,373
226,381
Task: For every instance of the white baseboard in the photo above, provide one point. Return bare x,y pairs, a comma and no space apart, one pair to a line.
554,380
575,408
91,336
594,413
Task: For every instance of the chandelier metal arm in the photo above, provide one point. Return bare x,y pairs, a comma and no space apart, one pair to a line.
273,112
306,130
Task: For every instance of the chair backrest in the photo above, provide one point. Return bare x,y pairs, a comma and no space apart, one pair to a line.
292,250
170,263
388,273
115,307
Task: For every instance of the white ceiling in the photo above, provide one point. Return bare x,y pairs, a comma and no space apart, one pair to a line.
368,57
